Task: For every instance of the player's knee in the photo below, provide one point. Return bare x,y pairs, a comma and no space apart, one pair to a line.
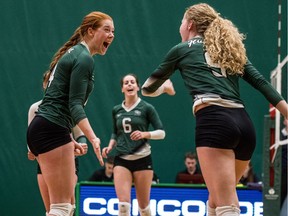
61,209
124,209
231,210
210,211
145,212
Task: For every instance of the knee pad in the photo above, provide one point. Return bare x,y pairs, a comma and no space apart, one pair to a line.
228,211
73,210
145,212
47,214
61,209
210,211
124,209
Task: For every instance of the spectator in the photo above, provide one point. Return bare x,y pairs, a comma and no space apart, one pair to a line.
155,179
104,174
191,163
249,176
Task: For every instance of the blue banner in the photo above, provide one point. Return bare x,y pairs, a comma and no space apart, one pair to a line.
165,200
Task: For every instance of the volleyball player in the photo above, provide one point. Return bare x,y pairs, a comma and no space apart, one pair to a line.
130,137
211,59
69,87
77,135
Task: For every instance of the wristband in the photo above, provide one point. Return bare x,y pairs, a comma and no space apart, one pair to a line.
81,139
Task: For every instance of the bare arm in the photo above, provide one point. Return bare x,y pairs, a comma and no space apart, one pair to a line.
166,87
282,106
86,128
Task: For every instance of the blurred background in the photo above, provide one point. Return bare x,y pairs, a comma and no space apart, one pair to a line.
32,31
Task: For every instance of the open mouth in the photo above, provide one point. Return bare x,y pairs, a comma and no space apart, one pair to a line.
106,44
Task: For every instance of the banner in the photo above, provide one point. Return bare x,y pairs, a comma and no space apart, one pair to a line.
172,200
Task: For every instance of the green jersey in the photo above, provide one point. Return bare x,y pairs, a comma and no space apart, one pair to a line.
69,86
202,77
125,121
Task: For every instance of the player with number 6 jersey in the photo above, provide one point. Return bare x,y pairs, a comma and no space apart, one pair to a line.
133,163
138,117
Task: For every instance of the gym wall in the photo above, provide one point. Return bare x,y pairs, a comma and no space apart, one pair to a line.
32,31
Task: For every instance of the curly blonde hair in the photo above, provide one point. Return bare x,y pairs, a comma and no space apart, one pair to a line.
222,40
93,20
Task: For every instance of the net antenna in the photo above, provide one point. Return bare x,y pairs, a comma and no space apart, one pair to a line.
276,78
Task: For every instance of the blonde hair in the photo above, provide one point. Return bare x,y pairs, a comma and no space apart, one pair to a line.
222,40
92,20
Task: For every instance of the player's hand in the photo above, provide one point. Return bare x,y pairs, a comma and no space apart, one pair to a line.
137,135
85,149
97,150
78,149
106,151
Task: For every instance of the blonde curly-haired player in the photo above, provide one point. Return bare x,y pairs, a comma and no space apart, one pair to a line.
211,60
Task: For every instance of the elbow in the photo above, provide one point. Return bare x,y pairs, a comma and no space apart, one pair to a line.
164,134
144,92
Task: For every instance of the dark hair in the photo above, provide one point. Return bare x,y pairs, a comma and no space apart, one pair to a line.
190,155
110,160
130,74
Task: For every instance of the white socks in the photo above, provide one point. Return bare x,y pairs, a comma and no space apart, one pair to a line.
124,209
210,211
73,209
61,209
228,211
145,212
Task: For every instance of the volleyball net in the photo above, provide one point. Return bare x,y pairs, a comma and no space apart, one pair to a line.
273,144
276,81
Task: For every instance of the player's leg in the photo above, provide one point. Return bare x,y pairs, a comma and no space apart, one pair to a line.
218,169
240,167
44,192
58,170
73,202
123,185
143,182
210,211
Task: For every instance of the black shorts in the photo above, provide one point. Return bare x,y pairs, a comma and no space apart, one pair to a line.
76,167
44,136
226,128
135,165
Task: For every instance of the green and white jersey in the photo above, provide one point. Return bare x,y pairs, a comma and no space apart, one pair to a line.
139,117
70,84
202,77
